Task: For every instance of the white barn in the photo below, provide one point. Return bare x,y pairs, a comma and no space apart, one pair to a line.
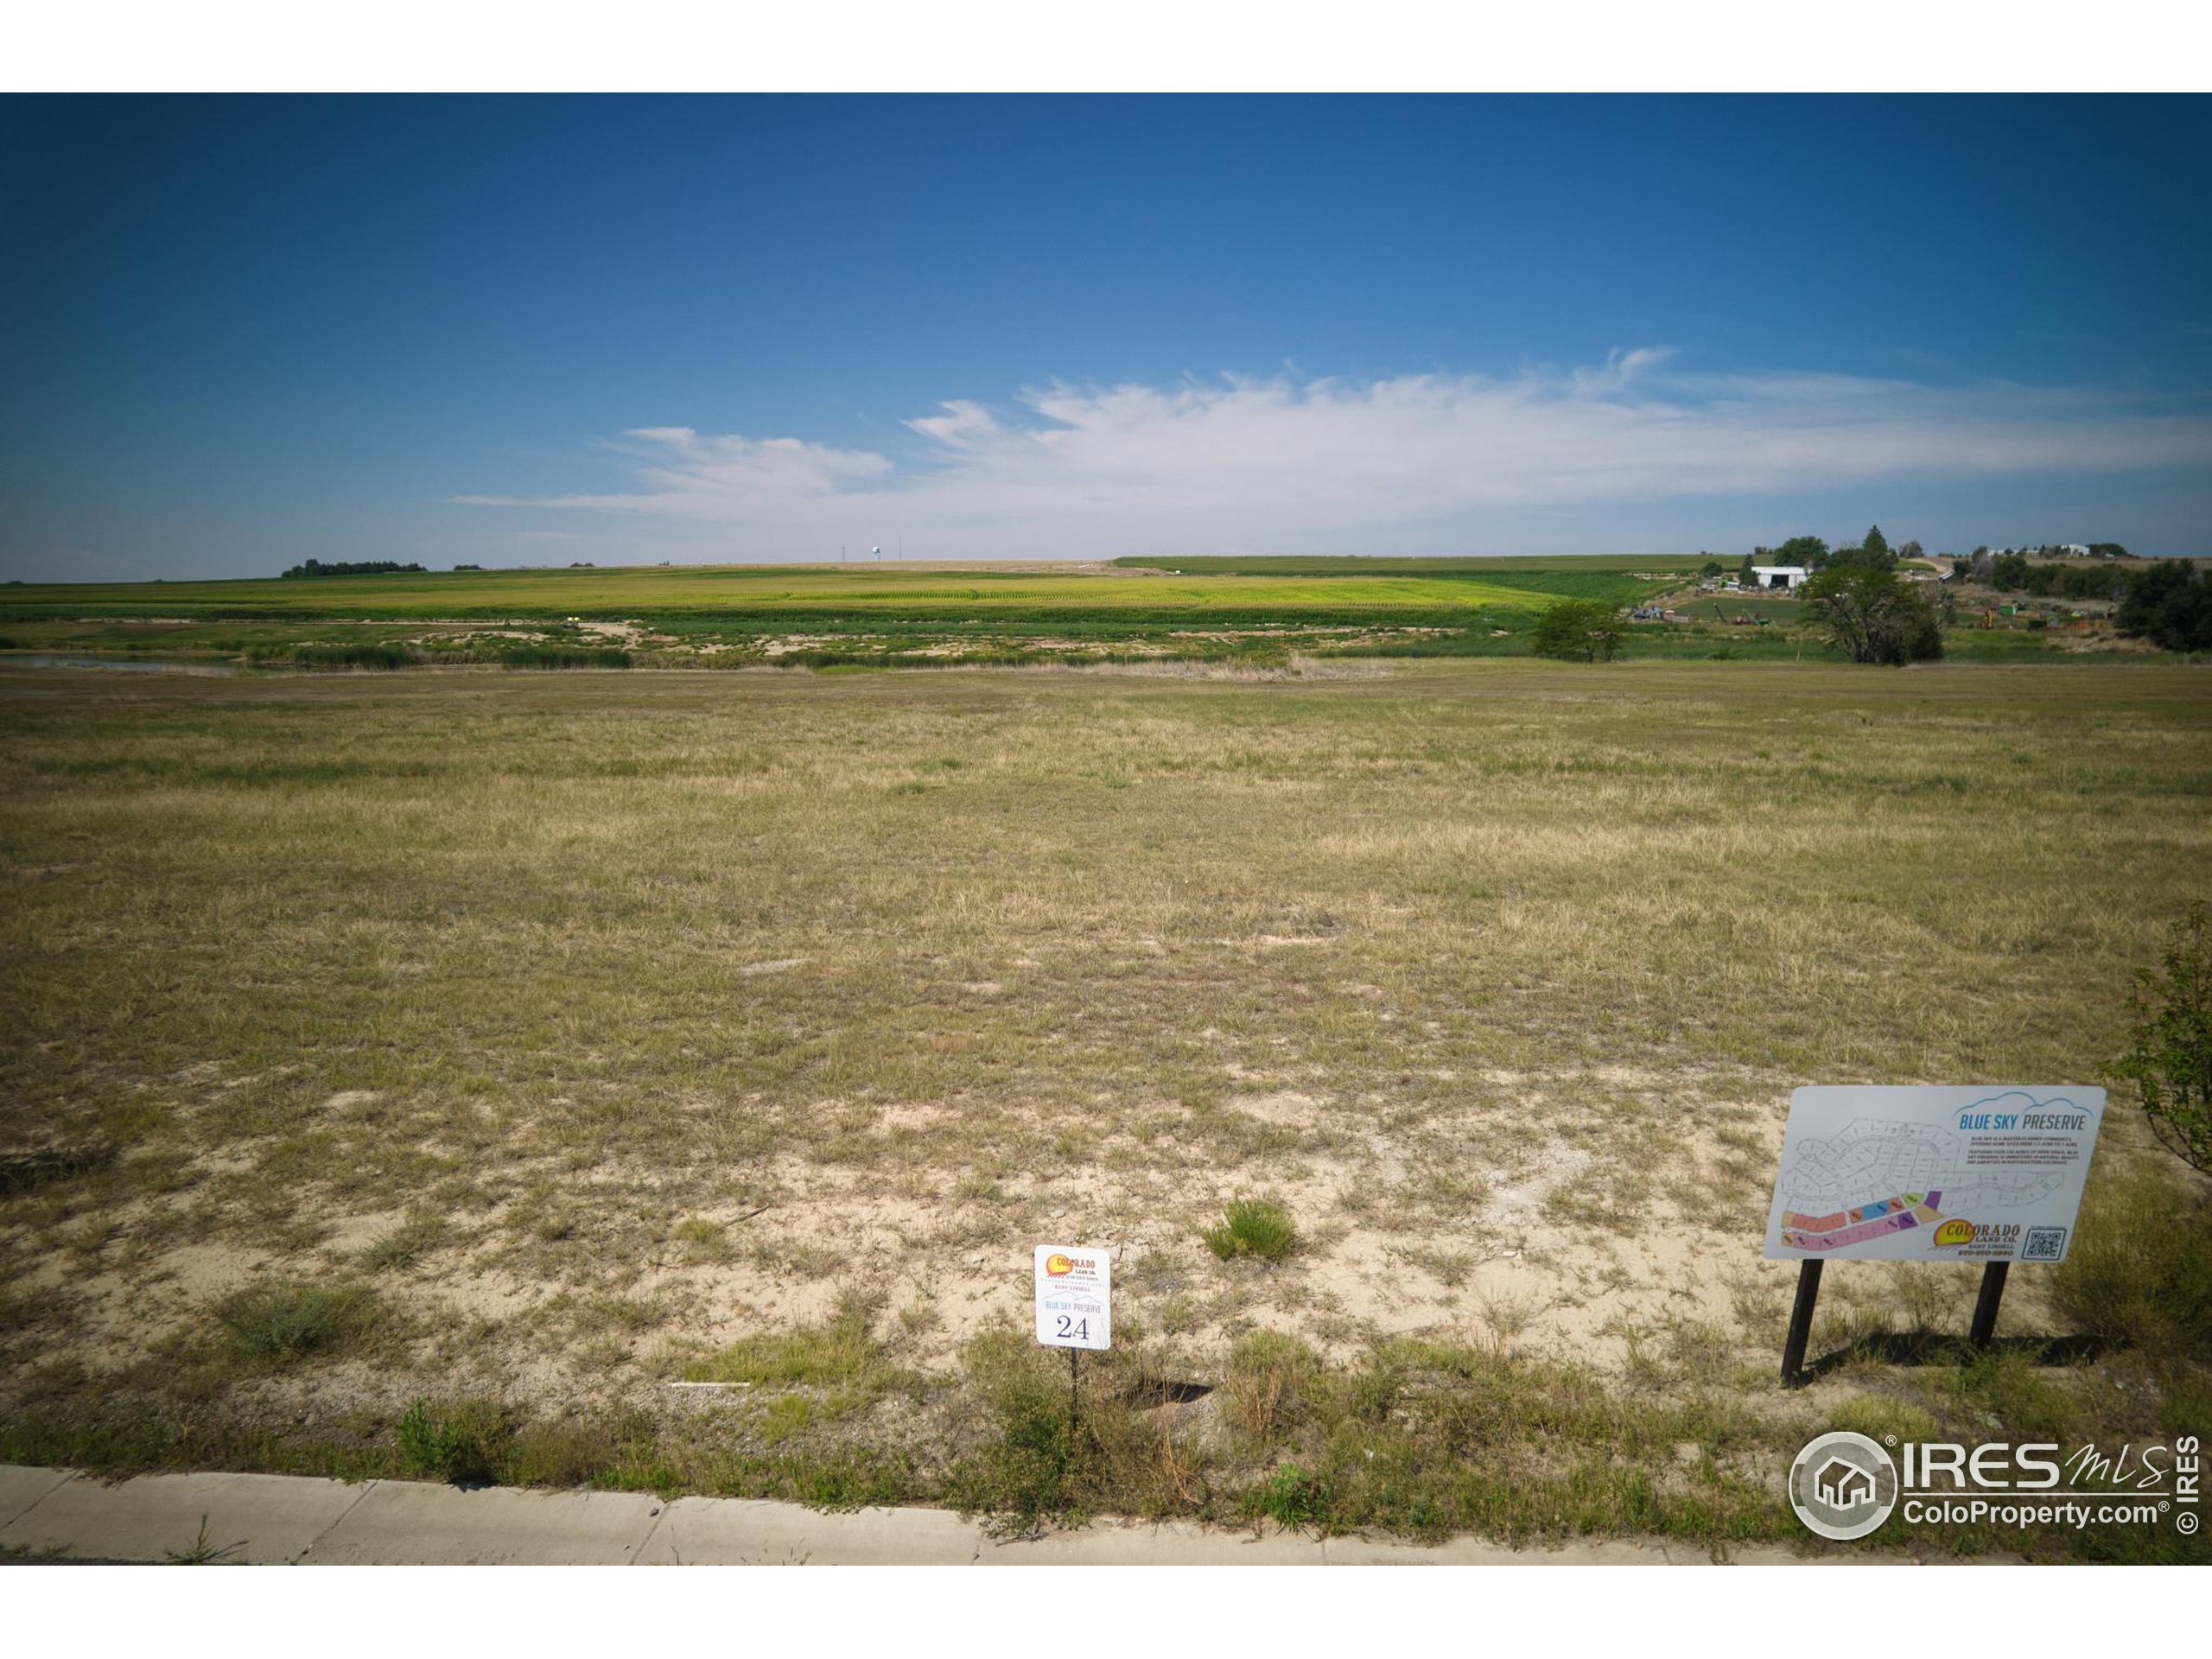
1778,576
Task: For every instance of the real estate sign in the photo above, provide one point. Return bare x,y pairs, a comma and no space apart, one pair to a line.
1935,1174
1075,1297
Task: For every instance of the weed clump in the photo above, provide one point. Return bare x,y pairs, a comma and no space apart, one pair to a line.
285,1321
464,1443
1292,1497
1270,1376
1253,1227
1031,1469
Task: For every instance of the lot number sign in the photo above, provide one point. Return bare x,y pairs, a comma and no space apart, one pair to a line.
1075,1296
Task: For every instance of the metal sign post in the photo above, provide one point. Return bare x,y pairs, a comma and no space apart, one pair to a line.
1985,1304
1075,1307
1800,1324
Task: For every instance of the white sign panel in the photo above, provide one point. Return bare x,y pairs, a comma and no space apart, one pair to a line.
1075,1297
1971,1174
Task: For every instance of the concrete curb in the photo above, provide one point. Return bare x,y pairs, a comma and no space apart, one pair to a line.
59,1513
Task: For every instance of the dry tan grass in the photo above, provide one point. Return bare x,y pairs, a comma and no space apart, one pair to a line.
606,1021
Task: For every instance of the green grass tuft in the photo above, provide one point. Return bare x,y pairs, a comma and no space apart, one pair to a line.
1253,1227
285,1321
465,1443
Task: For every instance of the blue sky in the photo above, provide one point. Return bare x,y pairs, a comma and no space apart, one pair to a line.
235,333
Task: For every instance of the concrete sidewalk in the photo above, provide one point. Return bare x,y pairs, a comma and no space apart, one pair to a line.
61,1514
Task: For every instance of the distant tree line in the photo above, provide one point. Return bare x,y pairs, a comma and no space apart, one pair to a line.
2011,573
1811,553
353,568
2170,604
1874,614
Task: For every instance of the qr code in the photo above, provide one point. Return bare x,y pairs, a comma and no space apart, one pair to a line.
2043,1245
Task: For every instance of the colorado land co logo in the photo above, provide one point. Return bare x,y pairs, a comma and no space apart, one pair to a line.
1843,1485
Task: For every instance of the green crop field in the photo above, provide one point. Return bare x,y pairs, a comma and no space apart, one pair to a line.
1254,613
813,616
779,594
491,1053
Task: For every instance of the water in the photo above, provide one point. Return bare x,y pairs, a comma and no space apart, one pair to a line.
123,665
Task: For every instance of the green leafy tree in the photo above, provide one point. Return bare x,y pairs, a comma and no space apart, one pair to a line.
1710,567
2169,604
2170,1057
1808,550
1743,570
1874,615
1579,629
1873,554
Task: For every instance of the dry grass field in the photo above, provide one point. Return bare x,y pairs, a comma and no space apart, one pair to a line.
527,1045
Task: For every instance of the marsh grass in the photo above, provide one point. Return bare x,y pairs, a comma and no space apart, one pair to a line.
366,655
564,657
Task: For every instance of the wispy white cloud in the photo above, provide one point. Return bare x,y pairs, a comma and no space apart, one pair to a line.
1244,463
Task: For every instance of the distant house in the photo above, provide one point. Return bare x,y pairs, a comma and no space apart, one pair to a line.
1778,576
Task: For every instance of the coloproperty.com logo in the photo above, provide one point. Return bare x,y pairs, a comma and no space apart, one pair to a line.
1843,1486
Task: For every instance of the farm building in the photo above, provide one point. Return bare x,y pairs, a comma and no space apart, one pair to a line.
1778,576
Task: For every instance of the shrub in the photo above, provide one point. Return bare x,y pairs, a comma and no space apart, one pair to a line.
1031,1468
1253,1227
284,1321
462,1443
2170,1058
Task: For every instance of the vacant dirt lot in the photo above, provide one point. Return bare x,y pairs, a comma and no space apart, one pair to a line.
584,1026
